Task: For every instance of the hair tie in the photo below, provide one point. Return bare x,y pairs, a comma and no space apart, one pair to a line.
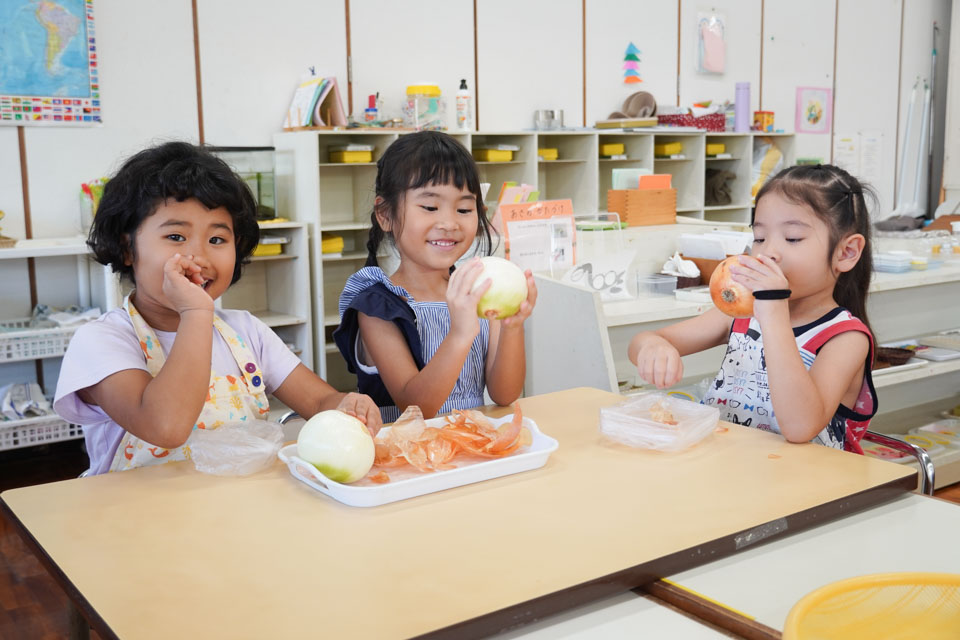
772,294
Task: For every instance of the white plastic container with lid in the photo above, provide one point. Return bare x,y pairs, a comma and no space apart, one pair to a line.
425,109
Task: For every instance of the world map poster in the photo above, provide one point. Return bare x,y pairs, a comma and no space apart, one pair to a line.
48,63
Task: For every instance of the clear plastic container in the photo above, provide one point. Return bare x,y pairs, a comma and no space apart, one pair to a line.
657,284
658,421
255,165
425,109
892,261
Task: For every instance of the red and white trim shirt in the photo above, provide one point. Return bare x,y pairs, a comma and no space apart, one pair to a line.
743,395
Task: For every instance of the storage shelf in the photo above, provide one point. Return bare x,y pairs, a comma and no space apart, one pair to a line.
494,162
331,347
331,320
672,159
561,161
46,247
712,159
345,226
275,319
724,207
266,225
282,256
930,368
16,434
348,164
351,255
621,160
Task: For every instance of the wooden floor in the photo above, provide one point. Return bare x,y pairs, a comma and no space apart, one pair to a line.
32,605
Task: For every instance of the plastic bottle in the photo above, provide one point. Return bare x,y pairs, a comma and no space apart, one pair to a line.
425,109
370,113
742,108
464,115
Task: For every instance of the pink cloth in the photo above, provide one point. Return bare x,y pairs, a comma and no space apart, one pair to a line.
109,344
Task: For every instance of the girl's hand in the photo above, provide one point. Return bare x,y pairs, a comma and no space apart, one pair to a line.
183,285
462,304
659,363
526,307
363,408
760,273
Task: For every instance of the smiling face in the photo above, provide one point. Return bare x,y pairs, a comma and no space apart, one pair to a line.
436,226
187,228
798,241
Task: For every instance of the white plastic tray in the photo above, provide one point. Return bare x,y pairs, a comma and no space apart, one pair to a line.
407,482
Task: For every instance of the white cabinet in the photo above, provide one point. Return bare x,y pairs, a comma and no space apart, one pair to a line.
30,353
337,198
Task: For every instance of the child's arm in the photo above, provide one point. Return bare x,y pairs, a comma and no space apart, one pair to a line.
163,409
506,365
657,353
308,394
429,387
804,401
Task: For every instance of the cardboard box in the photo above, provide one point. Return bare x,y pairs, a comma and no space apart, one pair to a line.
707,267
641,207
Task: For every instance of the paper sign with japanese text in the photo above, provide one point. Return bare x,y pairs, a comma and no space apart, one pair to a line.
540,236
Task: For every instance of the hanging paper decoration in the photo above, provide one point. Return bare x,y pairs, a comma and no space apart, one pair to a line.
631,65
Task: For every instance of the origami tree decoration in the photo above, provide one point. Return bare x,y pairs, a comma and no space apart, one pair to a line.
631,65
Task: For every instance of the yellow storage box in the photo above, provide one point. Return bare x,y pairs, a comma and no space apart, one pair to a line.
548,154
493,155
612,149
715,148
351,156
668,148
262,250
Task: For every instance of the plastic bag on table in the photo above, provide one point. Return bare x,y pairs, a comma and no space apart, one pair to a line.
658,421
236,448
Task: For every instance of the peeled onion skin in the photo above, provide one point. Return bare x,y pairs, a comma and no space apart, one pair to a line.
729,296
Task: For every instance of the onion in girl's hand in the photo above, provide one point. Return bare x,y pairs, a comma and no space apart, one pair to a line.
731,297
338,445
508,288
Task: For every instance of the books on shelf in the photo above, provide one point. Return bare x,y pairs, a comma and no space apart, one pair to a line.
316,102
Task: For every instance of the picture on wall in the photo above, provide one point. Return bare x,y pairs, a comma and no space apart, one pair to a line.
814,109
50,74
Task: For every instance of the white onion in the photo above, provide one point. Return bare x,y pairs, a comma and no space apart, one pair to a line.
508,288
338,445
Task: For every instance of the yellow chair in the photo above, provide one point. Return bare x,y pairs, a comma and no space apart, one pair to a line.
885,605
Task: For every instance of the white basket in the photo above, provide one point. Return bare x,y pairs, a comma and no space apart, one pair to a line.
16,434
21,341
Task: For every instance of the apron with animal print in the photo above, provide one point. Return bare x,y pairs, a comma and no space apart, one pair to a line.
229,398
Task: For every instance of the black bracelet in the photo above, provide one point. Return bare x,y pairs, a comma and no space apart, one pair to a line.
772,294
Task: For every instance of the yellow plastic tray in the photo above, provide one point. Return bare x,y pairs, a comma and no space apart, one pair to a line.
884,605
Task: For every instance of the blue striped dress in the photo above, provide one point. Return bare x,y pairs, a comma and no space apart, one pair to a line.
433,324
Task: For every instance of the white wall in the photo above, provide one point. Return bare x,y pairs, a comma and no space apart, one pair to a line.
742,36
798,45
148,93
252,56
530,56
384,33
610,28
866,97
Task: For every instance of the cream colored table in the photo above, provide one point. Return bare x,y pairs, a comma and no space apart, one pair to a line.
167,551
910,533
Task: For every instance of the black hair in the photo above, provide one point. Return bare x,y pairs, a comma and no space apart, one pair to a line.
177,170
837,198
416,160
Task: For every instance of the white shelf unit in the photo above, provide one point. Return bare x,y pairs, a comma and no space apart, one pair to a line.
21,345
900,307
337,198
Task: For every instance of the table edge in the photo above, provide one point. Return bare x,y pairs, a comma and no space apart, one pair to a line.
536,609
